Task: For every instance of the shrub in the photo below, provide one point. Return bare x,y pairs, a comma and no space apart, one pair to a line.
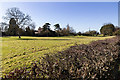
117,32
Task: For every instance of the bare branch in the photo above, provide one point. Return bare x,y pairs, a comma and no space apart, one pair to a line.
22,20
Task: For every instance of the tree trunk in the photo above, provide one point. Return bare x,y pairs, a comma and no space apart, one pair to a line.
103,35
58,34
19,36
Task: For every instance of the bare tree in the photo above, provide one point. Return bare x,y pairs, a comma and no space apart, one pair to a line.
22,20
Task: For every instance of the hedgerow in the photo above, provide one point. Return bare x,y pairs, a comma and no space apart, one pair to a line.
98,60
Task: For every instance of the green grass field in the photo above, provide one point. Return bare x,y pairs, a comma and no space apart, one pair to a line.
17,53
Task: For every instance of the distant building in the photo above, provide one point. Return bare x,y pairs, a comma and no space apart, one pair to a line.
39,30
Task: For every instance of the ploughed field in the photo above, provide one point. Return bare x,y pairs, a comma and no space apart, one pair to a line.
22,52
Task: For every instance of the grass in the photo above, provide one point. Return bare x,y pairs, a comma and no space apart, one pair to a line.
17,52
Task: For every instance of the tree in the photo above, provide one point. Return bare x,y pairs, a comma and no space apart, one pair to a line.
13,27
64,33
21,32
29,31
46,29
0,32
32,26
57,28
70,30
79,33
22,20
107,29
46,26
93,33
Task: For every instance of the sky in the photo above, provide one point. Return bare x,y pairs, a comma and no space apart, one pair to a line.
59,0
82,16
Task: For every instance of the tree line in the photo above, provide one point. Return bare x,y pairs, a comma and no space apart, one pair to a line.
19,24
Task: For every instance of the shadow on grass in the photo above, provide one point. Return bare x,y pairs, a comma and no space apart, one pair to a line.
40,39
80,37
26,39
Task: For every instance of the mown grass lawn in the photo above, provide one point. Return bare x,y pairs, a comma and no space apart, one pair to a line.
17,52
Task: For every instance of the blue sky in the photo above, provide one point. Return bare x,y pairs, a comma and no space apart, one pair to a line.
59,0
82,16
